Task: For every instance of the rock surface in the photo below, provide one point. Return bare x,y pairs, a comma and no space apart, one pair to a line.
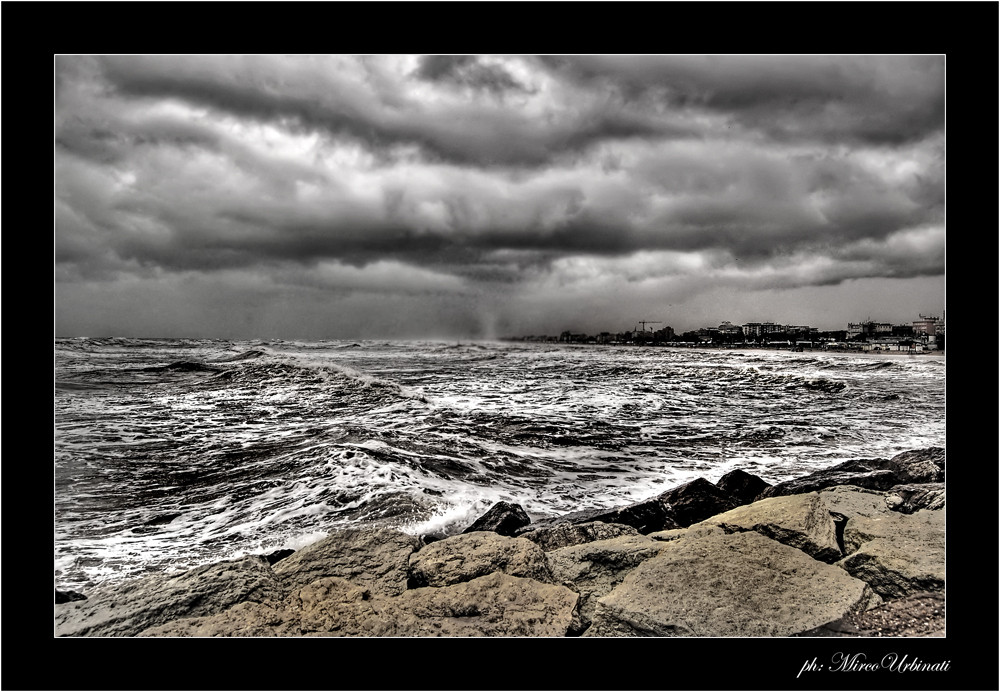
496,605
913,496
916,466
692,502
594,569
375,558
470,555
800,521
731,585
129,608
504,518
744,487
564,535
897,554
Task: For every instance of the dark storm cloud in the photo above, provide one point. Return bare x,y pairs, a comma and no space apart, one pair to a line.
486,176
466,132
878,99
467,70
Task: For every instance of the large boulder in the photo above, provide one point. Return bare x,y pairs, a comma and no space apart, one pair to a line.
742,486
566,534
496,605
800,521
728,585
897,554
504,518
593,569
467,556
694,501
915,466
124,610
376,558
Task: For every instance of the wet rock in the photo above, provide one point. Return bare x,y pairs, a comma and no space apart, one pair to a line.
565,535
644,517
375,558
728,585
742,486
278,555
504,518
694,501
916,466
67,596
126,609
471,555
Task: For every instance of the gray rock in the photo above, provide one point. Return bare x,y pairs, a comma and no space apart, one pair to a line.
728,585
504,518
897,554
744,487
911,497
126,609
915,466
470,555
375,558
799,521
496,605
695,501
644,517
566,534
594,569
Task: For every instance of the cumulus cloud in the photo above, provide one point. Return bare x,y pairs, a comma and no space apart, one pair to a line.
483,180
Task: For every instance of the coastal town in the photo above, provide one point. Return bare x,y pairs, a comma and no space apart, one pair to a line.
923,335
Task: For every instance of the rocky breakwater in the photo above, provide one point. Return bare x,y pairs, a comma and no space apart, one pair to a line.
854,550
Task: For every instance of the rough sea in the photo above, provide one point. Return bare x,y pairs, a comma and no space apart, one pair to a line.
174,453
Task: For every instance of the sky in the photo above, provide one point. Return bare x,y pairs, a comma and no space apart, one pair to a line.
450,196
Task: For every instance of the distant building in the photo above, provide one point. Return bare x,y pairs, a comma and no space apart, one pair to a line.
756,330
868,329
931,326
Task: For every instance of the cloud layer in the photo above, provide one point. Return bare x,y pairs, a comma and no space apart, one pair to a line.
496,192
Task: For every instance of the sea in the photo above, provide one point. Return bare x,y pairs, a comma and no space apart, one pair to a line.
171,453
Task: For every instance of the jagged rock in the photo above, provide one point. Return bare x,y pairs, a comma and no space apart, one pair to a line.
504,518
644,517
694,501
897,554
470,555
126,609
909,498
800,521
915,466
67,596
278,555
376,558
728,585
919,465
593,569
565,535
742,486
496,605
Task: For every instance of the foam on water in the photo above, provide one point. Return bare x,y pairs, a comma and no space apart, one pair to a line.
272,444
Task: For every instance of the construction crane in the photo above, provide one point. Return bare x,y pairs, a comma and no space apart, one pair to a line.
645,322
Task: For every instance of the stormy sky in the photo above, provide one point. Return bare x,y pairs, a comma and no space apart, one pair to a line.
447,196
